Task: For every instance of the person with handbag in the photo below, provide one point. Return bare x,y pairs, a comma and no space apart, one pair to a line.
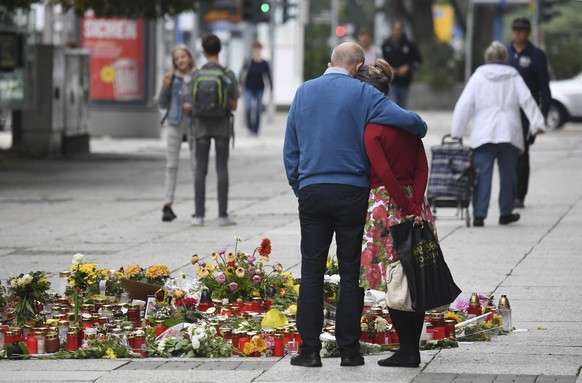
175,97
398,178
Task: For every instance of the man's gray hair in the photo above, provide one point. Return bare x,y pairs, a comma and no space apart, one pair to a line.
496,53
347,55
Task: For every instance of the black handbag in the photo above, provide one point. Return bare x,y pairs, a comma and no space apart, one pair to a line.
429,278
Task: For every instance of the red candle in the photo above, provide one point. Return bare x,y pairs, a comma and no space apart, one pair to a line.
380,338
438,333
242,341
279,348
72,341
248,306
32,344
160,327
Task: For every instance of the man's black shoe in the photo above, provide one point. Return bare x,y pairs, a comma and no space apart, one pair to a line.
168,214
311,359
518,203
352,360
478,221
398,361
508,218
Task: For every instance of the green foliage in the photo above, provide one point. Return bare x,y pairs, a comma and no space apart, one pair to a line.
317,51
110,348
29,290
116,8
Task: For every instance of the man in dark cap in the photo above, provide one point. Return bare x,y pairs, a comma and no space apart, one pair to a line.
531,63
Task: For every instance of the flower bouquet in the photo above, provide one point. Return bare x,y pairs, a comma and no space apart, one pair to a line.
141,283
29,291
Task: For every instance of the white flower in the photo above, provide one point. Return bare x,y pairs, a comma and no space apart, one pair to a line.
191,329
26,279
14,283
225,302
381,324
162,345
78,259
237,238
335,279
195,343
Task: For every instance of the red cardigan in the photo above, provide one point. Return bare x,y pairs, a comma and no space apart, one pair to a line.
397,158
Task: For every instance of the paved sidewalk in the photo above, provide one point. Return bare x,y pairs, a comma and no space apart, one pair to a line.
108,206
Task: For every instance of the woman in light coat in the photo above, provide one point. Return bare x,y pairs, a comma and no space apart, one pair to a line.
492,99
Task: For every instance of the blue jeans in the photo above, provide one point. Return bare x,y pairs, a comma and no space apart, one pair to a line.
399,94
253,110
484,159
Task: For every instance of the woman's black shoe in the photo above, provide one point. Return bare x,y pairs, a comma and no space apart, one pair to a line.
168,214
508,218
352,360
397,361
311,359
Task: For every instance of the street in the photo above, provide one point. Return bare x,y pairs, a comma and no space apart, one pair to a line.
108,206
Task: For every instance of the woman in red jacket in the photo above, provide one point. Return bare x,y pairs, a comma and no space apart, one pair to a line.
398,178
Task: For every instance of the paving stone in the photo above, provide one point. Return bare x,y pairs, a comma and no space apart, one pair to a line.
222,366
253,366
142,365
180,365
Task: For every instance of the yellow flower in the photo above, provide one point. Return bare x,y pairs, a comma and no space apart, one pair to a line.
214,256
194,259
229,270
161,296
256,293
278,267
230,257
133,271
109,354
210,267
248,348
292,309
289,281
260,344
453,316
157,271
296,289
203,272
240,272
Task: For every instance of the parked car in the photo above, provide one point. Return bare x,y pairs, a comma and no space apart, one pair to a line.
566,101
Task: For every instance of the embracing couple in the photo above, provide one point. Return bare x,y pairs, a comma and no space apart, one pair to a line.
355,160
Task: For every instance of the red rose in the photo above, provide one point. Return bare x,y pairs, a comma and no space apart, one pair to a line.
380,212
374,276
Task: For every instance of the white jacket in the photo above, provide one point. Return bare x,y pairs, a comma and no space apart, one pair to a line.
492,99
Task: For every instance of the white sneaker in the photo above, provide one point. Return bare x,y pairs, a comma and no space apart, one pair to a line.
197,221
225,221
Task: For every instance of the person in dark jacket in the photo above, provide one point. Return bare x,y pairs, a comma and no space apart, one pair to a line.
404,58
254,72
531,63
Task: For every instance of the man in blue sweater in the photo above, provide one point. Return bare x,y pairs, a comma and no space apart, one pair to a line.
328,169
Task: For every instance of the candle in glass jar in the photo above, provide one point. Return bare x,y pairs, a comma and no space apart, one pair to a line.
32,344
160,327
52,343
133,313
279,347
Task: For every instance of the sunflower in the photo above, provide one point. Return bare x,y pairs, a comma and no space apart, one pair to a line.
265,248
248,348
260,343
451,315
161,296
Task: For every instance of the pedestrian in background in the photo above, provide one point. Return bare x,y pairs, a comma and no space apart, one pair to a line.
213,125
366,41
404,58
175,97
492,98
532,65
253,75
398,178
328,170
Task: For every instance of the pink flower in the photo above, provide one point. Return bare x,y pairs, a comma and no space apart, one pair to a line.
257,279
251,259
221,251
374,275
233,286
221,277
251,270
380,212
374,232
367,257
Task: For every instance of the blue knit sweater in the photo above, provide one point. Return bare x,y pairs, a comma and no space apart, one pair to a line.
324,139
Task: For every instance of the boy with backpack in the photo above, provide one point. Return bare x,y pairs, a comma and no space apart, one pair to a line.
214,98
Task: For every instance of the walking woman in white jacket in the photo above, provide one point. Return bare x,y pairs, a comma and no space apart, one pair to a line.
492,99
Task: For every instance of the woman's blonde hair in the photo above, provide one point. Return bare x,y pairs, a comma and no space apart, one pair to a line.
182,47
379,74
